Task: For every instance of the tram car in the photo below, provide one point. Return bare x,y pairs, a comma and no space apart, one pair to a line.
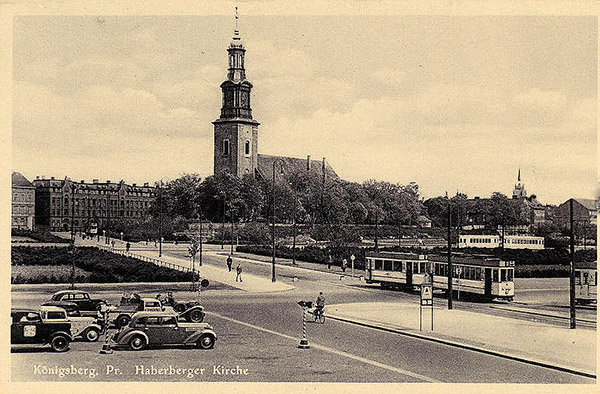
586,282
485,276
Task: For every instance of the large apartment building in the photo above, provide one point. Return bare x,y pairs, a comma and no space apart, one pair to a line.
23,202
62,203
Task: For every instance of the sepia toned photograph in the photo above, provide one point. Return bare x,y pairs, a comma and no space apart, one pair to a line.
243,194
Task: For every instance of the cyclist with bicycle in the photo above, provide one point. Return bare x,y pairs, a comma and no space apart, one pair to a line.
320,304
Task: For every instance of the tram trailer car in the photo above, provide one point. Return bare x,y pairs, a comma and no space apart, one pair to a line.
485,276
586,282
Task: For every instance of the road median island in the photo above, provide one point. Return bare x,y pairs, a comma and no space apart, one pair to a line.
250,283
558,348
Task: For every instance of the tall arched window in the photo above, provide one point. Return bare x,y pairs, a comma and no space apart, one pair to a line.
226,147
247,148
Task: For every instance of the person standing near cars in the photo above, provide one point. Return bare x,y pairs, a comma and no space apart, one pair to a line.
229,262
238,271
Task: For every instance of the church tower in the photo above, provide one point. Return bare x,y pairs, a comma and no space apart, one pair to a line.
519,190
235,132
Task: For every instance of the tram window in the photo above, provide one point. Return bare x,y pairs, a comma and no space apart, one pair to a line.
398,266
378,264
479,273
577,277
510,275
422,268
585,278
387,265
503,275
494,275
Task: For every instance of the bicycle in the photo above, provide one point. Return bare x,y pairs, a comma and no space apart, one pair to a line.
319,316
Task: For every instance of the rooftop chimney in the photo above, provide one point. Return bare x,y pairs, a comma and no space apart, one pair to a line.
94,180
37,177
52,178
308,163
133,184
146,184
82,181
108,181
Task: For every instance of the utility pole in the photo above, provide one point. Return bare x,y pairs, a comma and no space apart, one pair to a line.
108,206
160,221
231,235
376,229
449,254
223,223
572,269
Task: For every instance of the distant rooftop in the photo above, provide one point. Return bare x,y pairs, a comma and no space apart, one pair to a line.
20,181
293,165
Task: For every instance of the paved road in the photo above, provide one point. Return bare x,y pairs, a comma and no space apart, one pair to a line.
260,332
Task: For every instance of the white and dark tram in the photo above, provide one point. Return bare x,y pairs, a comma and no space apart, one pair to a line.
586,282
485,276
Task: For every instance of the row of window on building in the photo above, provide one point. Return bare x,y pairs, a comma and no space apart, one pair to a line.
227,147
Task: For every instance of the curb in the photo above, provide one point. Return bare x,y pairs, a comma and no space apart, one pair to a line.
466,347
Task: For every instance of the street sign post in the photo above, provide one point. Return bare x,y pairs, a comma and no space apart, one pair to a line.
458,272
352,260
426,299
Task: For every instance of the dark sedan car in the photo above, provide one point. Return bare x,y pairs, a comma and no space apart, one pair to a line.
163,328
87,305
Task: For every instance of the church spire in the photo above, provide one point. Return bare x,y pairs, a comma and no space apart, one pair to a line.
236,72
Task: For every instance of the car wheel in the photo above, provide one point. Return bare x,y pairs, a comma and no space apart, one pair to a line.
92,335
196,316
137,342
179,308
206,341
123,320
60,343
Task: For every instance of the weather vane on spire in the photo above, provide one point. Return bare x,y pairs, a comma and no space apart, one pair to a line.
236,32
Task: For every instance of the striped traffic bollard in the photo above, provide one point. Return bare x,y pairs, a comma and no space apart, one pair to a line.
304,342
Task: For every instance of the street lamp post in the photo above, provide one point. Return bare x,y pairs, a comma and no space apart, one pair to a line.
273,219
72,236
108,206
231,235
450,273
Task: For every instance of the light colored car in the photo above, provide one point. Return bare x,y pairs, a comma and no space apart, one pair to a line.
85,327
164,328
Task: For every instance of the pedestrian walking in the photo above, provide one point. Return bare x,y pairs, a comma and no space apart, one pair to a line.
229,262
113,244
127,246
238,275
329,262
344,265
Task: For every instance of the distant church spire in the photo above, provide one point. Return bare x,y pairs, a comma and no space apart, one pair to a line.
519,191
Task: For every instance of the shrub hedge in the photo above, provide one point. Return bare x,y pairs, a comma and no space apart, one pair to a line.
104,266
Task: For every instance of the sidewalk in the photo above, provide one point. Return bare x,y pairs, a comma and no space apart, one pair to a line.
251,283
537,342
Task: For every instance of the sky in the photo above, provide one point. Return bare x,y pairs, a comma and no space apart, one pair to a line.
449,102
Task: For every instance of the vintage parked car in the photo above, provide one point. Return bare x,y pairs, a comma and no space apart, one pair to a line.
120,315
87,305
33,327
163,328
189,310
85,327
